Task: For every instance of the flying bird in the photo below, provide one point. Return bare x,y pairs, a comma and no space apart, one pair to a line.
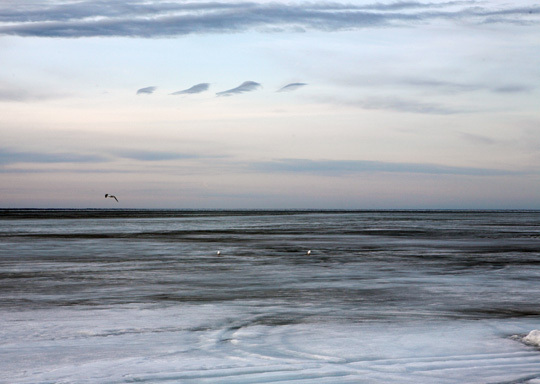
111,196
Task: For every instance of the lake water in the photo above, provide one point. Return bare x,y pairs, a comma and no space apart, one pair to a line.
122,296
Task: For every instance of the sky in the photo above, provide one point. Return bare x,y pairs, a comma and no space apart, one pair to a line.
270,104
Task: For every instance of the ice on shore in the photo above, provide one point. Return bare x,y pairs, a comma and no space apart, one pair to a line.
211,343
533,338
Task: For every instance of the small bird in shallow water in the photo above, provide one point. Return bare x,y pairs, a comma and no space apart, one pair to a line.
111,196
218,253
308,252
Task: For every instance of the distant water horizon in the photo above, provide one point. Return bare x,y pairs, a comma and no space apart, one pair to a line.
263,210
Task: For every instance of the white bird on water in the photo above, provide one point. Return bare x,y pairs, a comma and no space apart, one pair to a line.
308,252
111,196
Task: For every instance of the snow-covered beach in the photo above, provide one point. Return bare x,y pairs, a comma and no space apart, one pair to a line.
402,297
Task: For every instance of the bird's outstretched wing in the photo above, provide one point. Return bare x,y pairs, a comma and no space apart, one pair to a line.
111,197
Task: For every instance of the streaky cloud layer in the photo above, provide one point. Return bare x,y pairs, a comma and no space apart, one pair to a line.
340,167
394,104
198,88
20,94
147,155
135,18
246,86
8,156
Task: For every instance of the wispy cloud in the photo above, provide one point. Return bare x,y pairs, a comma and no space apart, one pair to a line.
443,86
291,87
391,103
457,87
340,167
428,84
477,139
8,156
137,18
246,86
10,94
198,88
145,155
513,88
18,93
404,105
404,5
146,91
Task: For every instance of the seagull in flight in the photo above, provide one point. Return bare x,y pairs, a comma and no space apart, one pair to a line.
111,196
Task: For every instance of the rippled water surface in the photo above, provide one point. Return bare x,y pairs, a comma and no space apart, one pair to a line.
117,296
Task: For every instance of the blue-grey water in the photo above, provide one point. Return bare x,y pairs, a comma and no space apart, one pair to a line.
121,296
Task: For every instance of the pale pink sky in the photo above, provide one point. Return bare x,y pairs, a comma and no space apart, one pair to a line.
394,104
